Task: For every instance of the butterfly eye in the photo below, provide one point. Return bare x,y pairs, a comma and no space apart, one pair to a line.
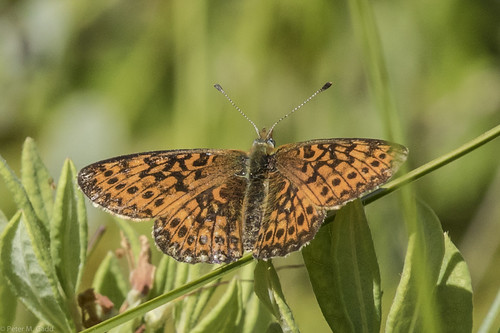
271,142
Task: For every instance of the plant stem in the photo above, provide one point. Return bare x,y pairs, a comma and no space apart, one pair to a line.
433,165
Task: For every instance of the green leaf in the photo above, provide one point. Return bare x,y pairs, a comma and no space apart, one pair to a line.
414,308
109,280
274,328
155,319
201,301
37,182
184,310
188,312
28,279
262,286
3,222
454,291
161,276
130,234
8,307
164,281
268,288
181,277
37,229
68,231
226,314
165,275
35,235
344,272
256,318
171,295
129,326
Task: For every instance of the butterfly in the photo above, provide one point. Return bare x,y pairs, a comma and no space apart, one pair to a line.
213,205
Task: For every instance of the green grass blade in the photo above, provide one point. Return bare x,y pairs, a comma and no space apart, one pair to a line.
344,273
493,314
363,22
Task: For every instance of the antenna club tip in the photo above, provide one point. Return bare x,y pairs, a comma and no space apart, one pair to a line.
218,87
326,85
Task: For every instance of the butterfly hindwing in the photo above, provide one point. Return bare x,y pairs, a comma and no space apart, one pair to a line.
292,220
206,228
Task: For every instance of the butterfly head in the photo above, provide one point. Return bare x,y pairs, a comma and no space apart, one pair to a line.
264,142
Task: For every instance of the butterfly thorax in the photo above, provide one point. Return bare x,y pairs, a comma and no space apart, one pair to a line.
259,167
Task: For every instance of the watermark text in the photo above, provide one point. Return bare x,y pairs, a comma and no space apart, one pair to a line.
27,328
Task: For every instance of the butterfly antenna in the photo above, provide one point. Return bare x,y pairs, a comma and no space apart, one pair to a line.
325,86
219,88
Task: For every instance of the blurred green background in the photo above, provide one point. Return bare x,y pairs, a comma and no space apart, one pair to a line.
90,80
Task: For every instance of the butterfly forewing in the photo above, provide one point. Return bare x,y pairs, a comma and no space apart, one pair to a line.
143,186
195,195
332,172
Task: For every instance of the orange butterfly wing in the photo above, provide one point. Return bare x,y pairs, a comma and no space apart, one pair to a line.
315,176
195,195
